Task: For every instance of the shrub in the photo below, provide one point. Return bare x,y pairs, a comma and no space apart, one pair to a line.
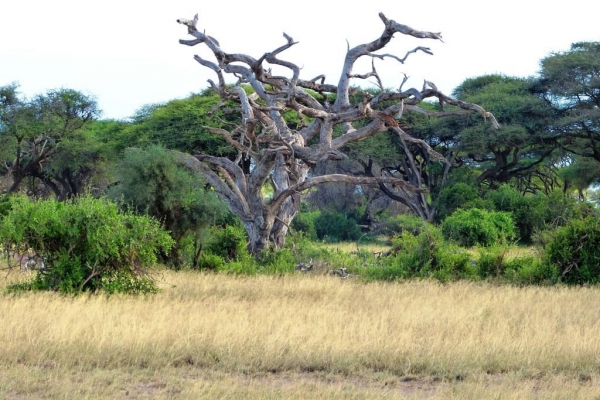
336,227
479,227
210,262
528,211
152,182
459,195
404,223
229,242
424,255
534,213
88,244
533,271
491,262
575,251
305,222
530,270
277,262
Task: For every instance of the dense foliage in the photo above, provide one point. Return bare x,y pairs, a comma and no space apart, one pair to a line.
86,244
474,227
575,251
151,182
532,182
423,255
33,134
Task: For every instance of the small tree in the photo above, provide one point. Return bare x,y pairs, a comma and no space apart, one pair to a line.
271,151
86,244
151,181
479,227
575,251
33,130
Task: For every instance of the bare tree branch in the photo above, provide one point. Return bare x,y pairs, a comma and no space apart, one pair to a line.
355,180
282,152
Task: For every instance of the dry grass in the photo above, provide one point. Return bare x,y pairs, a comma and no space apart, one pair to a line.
511,252
352,247
217,336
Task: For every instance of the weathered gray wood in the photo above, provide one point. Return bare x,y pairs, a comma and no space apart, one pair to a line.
280,154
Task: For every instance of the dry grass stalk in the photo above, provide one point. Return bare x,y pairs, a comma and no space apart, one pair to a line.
315,325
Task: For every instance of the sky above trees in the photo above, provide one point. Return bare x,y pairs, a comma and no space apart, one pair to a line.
126,53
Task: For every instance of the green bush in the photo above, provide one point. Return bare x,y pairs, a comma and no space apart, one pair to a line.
277,262
272,262
424,255
336,227
404,223
209,261
575,251
229,242
152,182
460,195
533,271
5,205
530,270
479,227
491,262
88,244
305,222
535,213
528,211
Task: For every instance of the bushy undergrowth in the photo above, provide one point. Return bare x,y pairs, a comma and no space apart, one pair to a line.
336,227
476,227
497,264
400,223
535,213
575,251
90,245
305,222
87,244
326,226
532,213
424,255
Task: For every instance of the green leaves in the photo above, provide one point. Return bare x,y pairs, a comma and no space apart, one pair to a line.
84,241
575,251
571,82
479,227
151,181
179,125
32,131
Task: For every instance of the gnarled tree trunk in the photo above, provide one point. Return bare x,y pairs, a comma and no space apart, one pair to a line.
283,157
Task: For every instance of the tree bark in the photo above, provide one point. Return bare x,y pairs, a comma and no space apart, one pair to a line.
282,156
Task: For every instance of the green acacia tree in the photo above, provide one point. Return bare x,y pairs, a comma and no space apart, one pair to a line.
570,80
80,163
523,146
181,125
151,181
33,130
580,173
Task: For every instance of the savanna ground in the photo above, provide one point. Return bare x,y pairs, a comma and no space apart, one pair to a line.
222,336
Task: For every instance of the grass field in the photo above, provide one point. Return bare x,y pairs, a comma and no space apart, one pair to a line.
218,336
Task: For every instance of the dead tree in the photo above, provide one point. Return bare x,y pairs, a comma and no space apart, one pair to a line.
283,157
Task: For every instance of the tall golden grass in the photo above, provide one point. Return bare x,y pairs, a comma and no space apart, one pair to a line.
248,326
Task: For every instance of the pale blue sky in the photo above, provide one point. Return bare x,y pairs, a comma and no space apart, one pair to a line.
126,52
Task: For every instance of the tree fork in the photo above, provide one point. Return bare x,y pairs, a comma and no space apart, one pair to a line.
282,156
